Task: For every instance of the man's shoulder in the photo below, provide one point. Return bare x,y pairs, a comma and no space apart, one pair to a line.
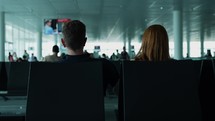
77,59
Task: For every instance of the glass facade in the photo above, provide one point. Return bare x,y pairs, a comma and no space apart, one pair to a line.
20,38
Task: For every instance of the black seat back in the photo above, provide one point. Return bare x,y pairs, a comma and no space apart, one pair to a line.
155,91
4,75
117,64
18,79
65,92
207,90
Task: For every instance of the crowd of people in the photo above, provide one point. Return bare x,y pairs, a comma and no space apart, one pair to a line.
25,58
154,47
54,57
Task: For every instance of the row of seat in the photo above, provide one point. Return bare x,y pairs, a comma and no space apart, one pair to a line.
207,90
171,90
14,78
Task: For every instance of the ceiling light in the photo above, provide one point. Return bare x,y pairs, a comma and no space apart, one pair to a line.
161,8
197,7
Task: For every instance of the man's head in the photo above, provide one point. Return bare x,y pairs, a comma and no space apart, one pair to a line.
74,33
55,49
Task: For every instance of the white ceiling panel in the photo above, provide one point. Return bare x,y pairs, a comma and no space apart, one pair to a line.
92,7
38,5
15,8
7,2
112,17
111,10
59,5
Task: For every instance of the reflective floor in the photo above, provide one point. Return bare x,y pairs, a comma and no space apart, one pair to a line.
16,106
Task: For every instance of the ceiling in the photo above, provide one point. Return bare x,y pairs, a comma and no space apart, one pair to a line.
116,20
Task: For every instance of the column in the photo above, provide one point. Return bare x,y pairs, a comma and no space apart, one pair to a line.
188,36
130,37
188,43
124,38
39,39
2,36
202,37
129,46
39,45
177,31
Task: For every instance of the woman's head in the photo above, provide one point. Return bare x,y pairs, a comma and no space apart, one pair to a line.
155,44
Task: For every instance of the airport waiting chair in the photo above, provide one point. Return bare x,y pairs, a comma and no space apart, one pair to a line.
12,118
117,64
207,90
14,78
161,91
3,78
65,92
18,79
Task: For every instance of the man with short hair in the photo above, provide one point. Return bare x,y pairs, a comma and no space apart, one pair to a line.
54,57
74,40
124,54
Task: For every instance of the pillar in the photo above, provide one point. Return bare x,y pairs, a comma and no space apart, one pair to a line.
202,37
178,30
124,38
2,36
129,45
39,45
188,43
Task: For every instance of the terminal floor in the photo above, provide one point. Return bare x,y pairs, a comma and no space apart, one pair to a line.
16,106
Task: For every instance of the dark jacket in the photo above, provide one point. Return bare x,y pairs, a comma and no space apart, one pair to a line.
110,74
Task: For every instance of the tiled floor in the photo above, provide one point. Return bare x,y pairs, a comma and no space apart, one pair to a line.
111,105
16,106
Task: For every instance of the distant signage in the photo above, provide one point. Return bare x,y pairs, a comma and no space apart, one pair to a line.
96,48
31,48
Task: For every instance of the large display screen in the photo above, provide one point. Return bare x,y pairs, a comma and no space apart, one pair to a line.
54,26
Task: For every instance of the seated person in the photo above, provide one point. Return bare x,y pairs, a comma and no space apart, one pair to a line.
54,57
74,40
155,45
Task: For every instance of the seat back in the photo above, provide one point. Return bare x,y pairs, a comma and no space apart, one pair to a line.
207,90
18,79
65,92
155,91
4,73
